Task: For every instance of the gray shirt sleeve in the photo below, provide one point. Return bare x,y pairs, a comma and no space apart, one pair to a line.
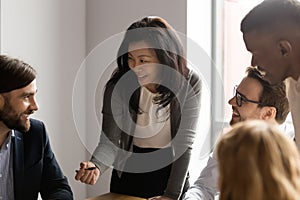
205,187
107,149
183,141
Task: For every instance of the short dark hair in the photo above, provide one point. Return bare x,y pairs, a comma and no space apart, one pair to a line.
271,14
14,74
272,95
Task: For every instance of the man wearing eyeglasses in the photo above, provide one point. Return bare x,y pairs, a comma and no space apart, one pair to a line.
254,98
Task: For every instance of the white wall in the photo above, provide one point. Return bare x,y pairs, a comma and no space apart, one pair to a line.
108,17
199,53
50,35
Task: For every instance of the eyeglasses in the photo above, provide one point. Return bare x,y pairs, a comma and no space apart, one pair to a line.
240,98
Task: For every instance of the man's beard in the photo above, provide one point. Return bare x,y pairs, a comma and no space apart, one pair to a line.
12,119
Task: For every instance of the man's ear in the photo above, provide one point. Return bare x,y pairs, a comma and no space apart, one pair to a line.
285,47
268,112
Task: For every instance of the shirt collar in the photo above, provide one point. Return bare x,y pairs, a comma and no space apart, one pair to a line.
7,141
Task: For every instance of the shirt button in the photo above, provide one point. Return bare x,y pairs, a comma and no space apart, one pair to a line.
1,197
0,175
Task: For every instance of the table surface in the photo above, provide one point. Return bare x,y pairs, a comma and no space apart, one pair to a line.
114,196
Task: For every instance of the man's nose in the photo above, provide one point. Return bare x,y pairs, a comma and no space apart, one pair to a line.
34,105
232,101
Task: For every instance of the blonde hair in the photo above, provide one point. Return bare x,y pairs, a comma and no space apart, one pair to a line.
257,161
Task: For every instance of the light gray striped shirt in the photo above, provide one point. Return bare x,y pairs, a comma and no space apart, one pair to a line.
6,169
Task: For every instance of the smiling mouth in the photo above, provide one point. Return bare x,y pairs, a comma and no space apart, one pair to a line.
141,76
235,113
27,115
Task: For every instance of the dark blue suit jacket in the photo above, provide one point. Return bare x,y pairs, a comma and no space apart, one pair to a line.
35,167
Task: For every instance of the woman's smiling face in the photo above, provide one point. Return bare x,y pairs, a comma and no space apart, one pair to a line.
143,61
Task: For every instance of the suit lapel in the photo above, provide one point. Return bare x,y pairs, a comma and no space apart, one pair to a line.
18,164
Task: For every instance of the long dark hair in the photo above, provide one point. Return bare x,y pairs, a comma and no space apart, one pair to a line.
158,34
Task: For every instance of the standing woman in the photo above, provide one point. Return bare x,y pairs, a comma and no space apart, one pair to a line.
150,112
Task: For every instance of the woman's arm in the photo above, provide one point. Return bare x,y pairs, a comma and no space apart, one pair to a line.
106,151
190,98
